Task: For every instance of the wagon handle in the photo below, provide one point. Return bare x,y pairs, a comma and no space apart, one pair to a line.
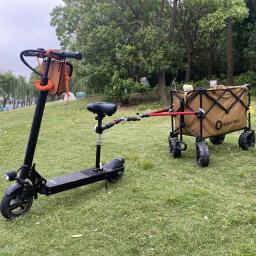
200,113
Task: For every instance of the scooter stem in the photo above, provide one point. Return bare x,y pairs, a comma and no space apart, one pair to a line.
36,124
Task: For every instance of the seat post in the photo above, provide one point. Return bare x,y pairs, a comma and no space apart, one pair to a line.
98,131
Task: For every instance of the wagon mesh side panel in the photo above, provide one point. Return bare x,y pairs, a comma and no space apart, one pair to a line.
225,110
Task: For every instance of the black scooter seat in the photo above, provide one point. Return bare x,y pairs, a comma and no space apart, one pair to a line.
102,108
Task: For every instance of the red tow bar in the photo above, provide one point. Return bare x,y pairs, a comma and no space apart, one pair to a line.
171,113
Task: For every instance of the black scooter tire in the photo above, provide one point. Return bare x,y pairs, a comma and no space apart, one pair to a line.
115,177
23,205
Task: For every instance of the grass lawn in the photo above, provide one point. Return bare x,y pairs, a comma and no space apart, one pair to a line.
161,206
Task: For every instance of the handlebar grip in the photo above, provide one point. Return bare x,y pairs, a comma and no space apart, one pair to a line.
32,53
72,55
29,54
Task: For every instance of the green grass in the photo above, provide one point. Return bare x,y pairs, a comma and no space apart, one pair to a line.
162,206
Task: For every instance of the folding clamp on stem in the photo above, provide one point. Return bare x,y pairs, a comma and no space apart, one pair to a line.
44,88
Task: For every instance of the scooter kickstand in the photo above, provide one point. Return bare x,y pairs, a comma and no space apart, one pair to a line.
106,184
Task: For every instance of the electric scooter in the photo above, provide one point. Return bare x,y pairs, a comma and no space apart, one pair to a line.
29,183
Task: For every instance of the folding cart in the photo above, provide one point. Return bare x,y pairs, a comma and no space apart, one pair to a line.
222,111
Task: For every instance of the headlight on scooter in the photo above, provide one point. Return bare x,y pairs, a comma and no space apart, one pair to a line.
10,176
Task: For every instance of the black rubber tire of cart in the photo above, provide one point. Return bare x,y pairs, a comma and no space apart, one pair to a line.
217,140
173,147
246,140
202,154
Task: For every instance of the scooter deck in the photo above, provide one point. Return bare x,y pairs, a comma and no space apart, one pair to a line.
84,177
77,179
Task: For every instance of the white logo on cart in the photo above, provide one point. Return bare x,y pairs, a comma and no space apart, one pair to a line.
219,124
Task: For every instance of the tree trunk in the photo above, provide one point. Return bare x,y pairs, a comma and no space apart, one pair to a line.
5,101
210,64
251,66
173,21
251,5
230,61
189,65
162,85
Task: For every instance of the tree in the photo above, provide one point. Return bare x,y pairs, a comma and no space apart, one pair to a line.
224,15
25,91
15,88
189,14
125,40
151,41
173,20
7,86
109,36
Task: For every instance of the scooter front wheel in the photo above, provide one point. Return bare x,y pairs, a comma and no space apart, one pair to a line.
13,206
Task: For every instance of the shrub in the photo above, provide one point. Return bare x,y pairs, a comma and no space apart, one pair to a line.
120,89
246,78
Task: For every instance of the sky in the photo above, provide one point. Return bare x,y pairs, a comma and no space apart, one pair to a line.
24,24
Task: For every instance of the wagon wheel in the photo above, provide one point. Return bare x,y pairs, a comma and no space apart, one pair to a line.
174,148
202,154
217,140
247,140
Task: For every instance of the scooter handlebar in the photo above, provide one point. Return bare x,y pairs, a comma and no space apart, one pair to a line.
55,54
32,53
42,53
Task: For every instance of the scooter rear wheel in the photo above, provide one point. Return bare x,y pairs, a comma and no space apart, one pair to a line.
115,177
13,206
